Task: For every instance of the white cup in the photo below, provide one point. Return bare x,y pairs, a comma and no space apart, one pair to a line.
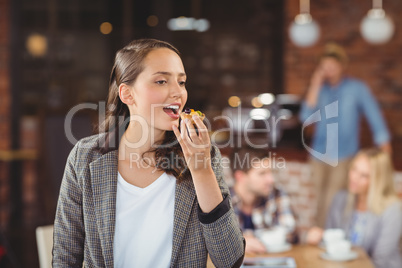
333,235
338,248
272,238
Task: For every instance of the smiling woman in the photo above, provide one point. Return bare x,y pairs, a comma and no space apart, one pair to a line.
146,192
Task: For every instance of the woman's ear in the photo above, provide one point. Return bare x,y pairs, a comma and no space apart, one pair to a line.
125,94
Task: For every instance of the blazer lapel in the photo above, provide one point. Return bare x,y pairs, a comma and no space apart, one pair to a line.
184,199
104,188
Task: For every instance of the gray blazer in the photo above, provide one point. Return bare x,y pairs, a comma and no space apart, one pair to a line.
85,218
381,236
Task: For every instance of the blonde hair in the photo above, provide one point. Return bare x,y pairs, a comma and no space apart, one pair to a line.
333,50
381,193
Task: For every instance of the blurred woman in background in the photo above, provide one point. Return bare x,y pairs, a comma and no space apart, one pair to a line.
370,212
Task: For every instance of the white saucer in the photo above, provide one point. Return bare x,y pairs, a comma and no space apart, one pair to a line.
347,257
279,249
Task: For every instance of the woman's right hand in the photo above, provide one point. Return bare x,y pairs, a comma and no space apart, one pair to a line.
314,235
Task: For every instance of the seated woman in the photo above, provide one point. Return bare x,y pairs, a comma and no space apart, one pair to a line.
369,212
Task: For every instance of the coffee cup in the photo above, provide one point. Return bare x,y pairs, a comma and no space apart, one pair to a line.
272,238
333,235
338,248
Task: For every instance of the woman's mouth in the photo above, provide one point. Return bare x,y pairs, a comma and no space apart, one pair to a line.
172,111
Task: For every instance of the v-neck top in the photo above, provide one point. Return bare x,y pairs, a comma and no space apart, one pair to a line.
144,223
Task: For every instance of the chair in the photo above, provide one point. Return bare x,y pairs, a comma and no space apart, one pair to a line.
44,240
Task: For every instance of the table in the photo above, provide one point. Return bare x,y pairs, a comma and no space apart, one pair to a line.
307,256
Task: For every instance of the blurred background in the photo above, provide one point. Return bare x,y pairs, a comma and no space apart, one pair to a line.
56,54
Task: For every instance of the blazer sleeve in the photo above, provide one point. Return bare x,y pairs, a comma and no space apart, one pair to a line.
386,249
334,215
68,234
223,237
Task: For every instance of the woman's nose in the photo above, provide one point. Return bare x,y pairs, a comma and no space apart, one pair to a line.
177,90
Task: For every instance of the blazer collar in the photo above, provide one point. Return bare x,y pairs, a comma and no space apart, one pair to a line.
104,188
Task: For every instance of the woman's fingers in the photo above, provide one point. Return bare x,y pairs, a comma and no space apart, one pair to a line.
184,133
188,136
192,133
196,151
202,129
179,137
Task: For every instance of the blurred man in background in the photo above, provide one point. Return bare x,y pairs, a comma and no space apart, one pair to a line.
256,201
352,98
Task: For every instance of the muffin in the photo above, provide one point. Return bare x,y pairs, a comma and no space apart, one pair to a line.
188,114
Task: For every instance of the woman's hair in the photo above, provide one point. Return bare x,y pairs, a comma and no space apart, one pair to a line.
381,193
335,51
128,64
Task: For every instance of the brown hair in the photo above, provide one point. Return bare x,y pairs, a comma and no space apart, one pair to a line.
333,50
127,66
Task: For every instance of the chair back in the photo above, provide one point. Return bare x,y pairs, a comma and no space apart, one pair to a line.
44,241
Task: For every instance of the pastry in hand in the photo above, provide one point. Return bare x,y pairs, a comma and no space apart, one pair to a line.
188,114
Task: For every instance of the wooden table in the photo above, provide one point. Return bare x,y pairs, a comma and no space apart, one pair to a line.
309,257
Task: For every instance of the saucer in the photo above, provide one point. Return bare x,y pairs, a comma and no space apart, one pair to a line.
346,257
279,248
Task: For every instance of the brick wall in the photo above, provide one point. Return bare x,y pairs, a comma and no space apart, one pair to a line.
5,102
379,66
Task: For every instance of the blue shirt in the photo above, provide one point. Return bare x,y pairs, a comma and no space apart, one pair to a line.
359,225
340,109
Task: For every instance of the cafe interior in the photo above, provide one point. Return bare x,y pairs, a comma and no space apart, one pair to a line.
249,61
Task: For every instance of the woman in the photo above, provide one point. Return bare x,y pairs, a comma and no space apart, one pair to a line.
369,212
140,194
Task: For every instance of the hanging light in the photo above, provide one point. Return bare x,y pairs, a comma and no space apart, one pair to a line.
188,24
376,27
304,31
194,23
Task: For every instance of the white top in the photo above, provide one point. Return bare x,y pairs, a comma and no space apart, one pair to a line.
144,223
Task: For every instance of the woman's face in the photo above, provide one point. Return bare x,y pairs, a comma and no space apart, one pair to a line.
160,85
359,176
332,69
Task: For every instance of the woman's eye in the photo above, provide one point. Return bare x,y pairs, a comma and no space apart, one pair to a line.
161,82
182,83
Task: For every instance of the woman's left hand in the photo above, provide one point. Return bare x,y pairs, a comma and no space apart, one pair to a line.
196,150
196,147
